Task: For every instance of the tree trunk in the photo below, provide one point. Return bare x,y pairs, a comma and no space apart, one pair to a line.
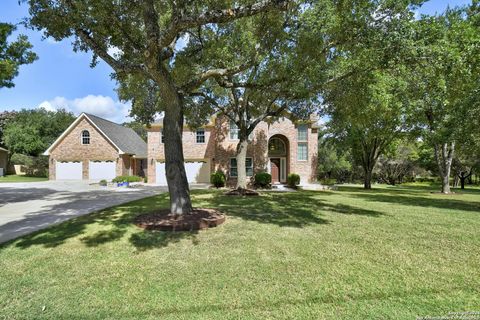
367,182
444,156
178,188
462,182
456,181
241,163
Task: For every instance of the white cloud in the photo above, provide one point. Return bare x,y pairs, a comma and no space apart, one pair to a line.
102,106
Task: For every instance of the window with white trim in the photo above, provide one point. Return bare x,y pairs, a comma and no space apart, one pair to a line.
200,135
234,168
302,151
302,134
85,137
234,130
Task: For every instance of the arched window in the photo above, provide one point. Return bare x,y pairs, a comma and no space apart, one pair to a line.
85,137
276,147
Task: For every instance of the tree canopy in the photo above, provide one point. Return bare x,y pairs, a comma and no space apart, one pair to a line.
31,132
13,54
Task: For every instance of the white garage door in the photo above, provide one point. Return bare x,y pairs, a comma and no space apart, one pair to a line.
197,172
161,179
102,170
68,170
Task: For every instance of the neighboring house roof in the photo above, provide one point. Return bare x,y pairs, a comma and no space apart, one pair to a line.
124,139
2,149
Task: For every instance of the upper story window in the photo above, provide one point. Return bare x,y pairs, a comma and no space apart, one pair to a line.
200,136
162,137
234,131
302,132
302,151
85,137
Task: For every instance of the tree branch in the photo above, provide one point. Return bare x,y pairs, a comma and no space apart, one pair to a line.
182,22
100,51
213,73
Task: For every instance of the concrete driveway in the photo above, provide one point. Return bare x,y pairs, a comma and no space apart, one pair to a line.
27,207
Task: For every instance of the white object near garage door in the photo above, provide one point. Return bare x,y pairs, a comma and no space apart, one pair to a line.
160,178
102,170
197,172
68,170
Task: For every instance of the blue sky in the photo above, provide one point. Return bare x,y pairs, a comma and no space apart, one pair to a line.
62,78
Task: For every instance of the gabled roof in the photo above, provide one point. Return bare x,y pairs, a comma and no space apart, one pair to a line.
124,139
2,149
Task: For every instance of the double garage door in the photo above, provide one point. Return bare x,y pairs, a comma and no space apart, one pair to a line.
97,170
197,172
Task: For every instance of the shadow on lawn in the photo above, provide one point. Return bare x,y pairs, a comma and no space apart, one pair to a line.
298,209
448,202
115,222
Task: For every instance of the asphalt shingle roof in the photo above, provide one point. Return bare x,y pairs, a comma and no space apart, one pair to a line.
125,138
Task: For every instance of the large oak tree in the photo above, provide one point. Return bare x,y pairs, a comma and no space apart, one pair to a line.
140,41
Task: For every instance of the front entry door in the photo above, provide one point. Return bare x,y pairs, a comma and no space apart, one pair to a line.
275,169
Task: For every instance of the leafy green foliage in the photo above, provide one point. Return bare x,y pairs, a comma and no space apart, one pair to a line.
127,179
293,180
34,166
138,127
263,180
13,55
334,161
103,183
31,132
5,116
217,179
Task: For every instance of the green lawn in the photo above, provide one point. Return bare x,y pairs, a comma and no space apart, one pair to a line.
15,178
390,253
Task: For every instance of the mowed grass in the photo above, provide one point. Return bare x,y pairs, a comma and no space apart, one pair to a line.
15,178
389,253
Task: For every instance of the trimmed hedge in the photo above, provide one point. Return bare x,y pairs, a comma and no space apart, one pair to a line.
127,179
293,180
217,179
263,180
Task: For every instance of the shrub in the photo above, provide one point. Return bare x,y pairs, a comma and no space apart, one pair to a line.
218,179
263,180
293,180
127,179
103,183
21,159
328,182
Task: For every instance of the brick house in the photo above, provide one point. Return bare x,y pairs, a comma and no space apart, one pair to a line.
281,147
93,148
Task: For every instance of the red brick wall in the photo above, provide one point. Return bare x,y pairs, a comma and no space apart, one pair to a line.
70,148
219,148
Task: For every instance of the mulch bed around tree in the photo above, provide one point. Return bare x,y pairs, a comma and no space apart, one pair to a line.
163,220
242,192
